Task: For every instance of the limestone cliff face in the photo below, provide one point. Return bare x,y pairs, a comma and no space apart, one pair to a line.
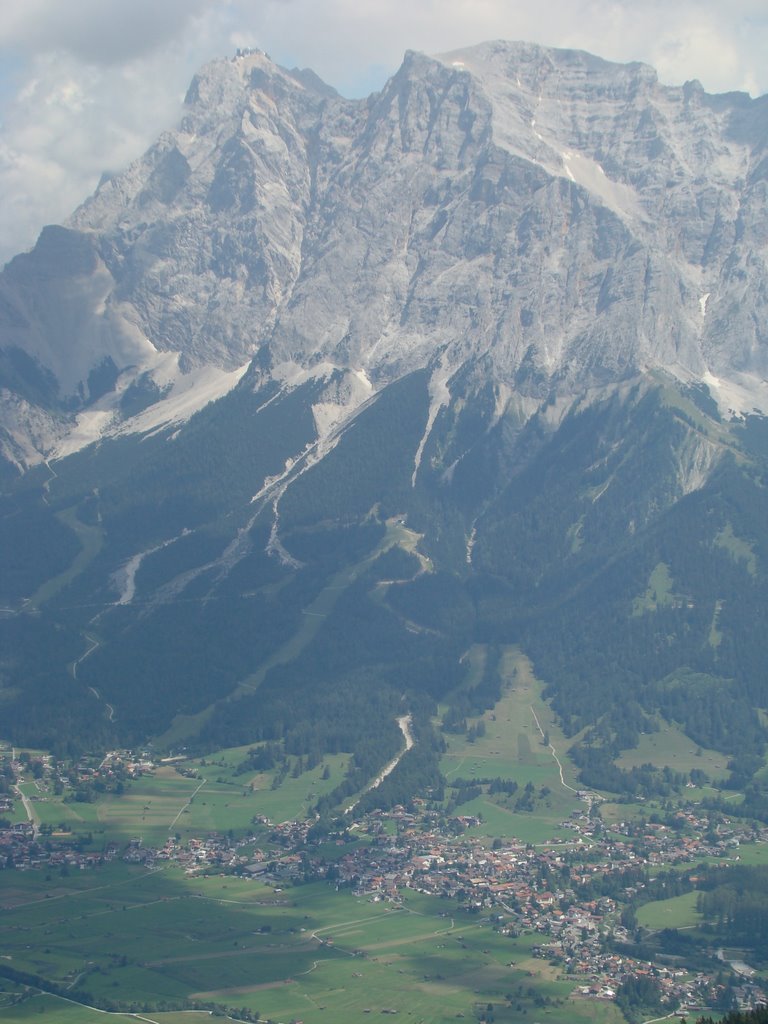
540,218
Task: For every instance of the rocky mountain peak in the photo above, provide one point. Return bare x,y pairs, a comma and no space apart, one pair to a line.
560,220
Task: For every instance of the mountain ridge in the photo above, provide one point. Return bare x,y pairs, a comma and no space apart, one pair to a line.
487,357
371,234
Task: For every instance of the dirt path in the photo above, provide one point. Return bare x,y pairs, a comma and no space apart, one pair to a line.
186,805
558,762
28,808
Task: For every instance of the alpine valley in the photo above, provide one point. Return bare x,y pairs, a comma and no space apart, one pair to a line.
320,396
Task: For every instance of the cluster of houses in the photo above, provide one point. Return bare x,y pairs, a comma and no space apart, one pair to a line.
556,889
22,850
547,889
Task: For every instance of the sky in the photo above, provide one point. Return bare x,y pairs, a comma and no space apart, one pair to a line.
87,85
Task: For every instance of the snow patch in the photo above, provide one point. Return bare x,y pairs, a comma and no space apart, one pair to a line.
364,379
703,304
517,111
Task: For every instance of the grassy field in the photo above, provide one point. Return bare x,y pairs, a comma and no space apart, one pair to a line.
91,539
671,747
740,550
678,912
216,806
659,593
752,854
307,953
424,961
513,748
53,1010
213,796
214,799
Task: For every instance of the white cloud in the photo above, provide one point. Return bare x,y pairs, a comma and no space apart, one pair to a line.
92,82
68,124
97,31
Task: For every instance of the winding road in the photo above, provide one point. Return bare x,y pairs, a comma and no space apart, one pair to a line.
93,644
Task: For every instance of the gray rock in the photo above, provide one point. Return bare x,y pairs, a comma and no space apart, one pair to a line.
553,220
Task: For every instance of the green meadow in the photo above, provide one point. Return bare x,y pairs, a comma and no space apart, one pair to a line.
512,747
669,747
91,539
678,912
213,798
213,795
309,953
55,1010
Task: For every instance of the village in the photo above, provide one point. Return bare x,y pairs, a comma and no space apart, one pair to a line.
576,893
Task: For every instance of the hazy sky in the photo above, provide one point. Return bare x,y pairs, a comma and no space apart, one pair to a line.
86,85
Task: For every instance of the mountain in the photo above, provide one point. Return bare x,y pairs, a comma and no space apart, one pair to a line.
320,392
563,221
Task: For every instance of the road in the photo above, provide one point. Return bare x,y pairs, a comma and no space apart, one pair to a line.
27,803
28,808
93,644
